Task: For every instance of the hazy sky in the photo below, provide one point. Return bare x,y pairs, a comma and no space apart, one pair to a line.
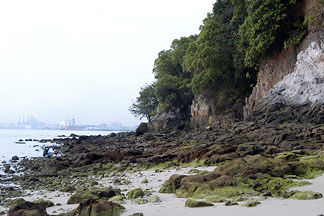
85,59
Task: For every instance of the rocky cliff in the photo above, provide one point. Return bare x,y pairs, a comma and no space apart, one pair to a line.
208,110
297,60
300,94
289,82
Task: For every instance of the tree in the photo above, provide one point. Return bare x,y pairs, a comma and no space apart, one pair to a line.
173,84
213,57
146,103
269,25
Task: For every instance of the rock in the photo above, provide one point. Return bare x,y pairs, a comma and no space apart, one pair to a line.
69,189
230,203
140,201
135,193
148,136
25,208
141,129
99,207
153,199
137,214
215,199
15,158
222,181
44,203
93,183
144,181
6,168
196,204
172,184
93,194
252,203
306,195
118,199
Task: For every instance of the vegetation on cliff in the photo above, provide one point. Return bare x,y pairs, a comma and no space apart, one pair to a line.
223,59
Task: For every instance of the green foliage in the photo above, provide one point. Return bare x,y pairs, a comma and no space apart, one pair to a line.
266,28
224,58
146,103
172,87
214,59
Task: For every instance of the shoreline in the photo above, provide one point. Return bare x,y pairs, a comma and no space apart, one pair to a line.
246,169
169,204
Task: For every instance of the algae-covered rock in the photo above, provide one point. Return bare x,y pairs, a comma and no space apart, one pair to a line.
153,199
93,193
68,189
306,195
252,203
196,204
135,193
172,184
193,171
93,183
99,208
137,214
215,199
222,181
8,203
118,199
230,203
140,201
45,203
144,181
25,208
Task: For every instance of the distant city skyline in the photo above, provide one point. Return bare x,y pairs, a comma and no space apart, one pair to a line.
31,118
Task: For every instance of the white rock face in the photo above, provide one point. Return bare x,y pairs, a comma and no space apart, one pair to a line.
306,83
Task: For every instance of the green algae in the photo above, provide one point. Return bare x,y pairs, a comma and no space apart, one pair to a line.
306,195
135,193
252,203
197,204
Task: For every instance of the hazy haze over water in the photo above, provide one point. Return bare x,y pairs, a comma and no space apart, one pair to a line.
85,59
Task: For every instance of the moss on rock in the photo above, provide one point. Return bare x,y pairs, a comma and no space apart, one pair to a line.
99,208
196,204
93,193
306,195
135,193
252,203
172,184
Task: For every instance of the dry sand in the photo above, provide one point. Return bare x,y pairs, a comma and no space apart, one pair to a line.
170,205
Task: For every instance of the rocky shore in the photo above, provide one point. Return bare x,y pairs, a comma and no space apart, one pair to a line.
248,161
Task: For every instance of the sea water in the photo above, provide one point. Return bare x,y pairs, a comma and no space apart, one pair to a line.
9,137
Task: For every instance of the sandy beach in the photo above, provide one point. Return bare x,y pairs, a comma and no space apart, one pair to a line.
169,204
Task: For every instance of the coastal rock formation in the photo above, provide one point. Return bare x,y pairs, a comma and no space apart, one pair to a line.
300,95
27,208
207,110
272,70
98,207
276,67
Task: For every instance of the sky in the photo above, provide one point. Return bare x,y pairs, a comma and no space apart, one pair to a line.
85,59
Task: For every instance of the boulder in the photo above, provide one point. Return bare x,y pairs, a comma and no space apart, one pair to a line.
135,193
15,158
25,208
172,184
141,129
196,204
93,194
98,207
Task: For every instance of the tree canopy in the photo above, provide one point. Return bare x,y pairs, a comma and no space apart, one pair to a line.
146,103
223,59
